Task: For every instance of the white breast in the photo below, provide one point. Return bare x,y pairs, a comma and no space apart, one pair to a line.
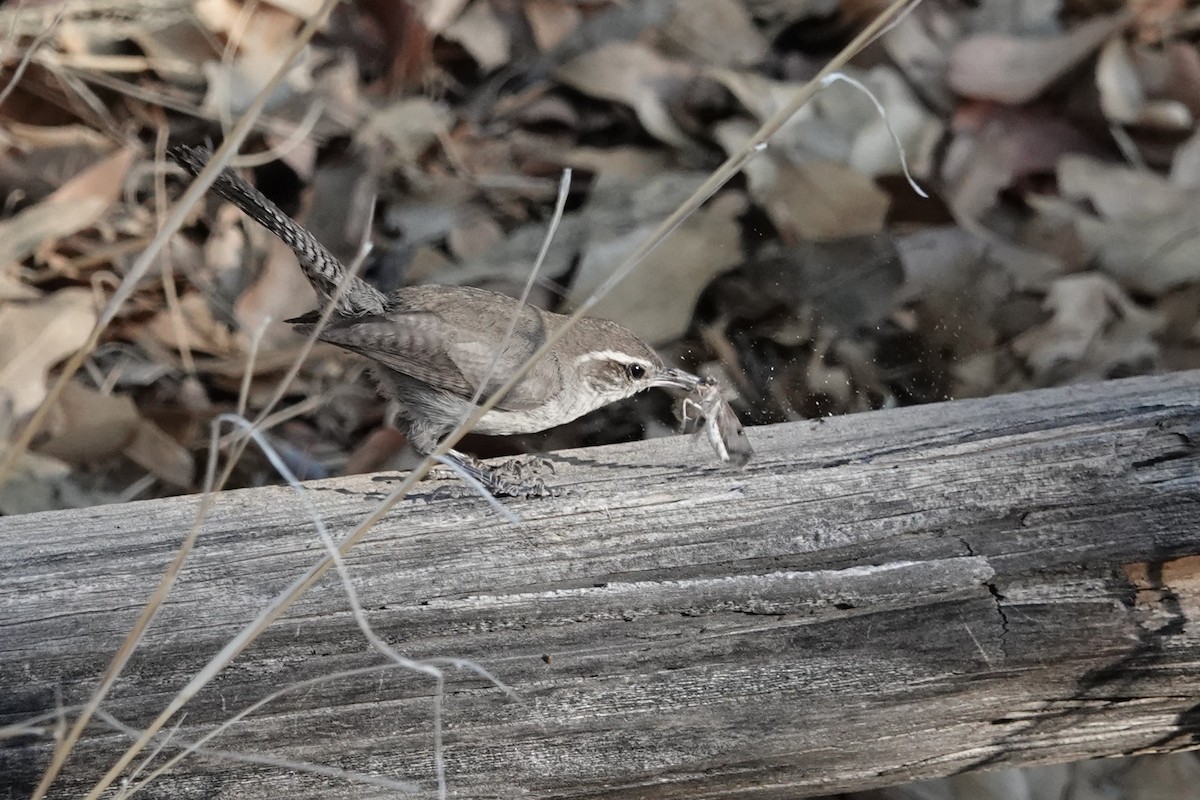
559,411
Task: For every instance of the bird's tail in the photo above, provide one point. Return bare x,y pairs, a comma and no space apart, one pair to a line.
321,267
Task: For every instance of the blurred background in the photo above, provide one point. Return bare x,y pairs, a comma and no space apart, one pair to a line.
1060,241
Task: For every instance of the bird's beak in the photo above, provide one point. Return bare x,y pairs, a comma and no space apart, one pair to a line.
677,379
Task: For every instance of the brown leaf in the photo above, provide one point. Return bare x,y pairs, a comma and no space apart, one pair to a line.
279,292
1148,232
551,21
1118,192
262,37
40,483
840,123
1185,168
633,74
717,32
407,127
1126,96
438,14
658,299
995,146
36,335
196,328
1095,332
481,32
104,180
44,224
1016,69
152,449
90,426
817,200
76,205
1149,255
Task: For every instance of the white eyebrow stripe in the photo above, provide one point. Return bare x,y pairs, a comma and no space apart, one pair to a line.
614,355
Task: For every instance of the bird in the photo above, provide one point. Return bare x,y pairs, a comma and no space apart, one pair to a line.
433,349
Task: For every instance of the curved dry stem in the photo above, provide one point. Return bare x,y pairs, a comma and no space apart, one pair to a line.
213,486
30,51
173,222
300,586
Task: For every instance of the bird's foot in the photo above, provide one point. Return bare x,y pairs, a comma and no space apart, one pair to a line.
512,478
522,467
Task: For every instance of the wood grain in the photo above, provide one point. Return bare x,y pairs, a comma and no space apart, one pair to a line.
876,598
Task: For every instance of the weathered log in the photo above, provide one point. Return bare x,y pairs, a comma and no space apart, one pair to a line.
876,598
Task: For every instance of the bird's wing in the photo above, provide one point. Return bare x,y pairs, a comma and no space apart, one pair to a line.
451,358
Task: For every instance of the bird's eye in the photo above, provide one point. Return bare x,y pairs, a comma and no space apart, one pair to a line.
636,371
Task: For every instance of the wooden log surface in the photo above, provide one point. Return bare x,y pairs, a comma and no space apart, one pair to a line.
877,598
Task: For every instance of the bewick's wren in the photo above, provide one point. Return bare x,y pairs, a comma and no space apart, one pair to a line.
432,346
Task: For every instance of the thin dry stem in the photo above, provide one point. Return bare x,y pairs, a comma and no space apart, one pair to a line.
560,205
248,373
428,667
193,194
294,139
30,51
302,584
170,763
174,311
270,614
273,761
213,486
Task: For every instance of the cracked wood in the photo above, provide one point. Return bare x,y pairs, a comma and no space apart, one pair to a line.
876,598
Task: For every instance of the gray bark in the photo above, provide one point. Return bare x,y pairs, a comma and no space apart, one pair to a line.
877,598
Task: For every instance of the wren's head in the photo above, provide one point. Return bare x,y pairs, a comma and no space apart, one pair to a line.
611,364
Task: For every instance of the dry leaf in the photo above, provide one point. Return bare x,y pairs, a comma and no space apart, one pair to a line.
1118,192
805,136
551,21
303,9
36,335
279,292
920,43
44,224
628,163
196,328
40,483
184,40
511,259
840,123
76,205
408,127
873,150
817,200
658,299
716,32
159,454
1148,232
1016,69
1095,332
38,137
1185,168
1124,96
262,39
633,74
12,287
476,235
996,146
437,15
90,426
482,34
1149,255
104,180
